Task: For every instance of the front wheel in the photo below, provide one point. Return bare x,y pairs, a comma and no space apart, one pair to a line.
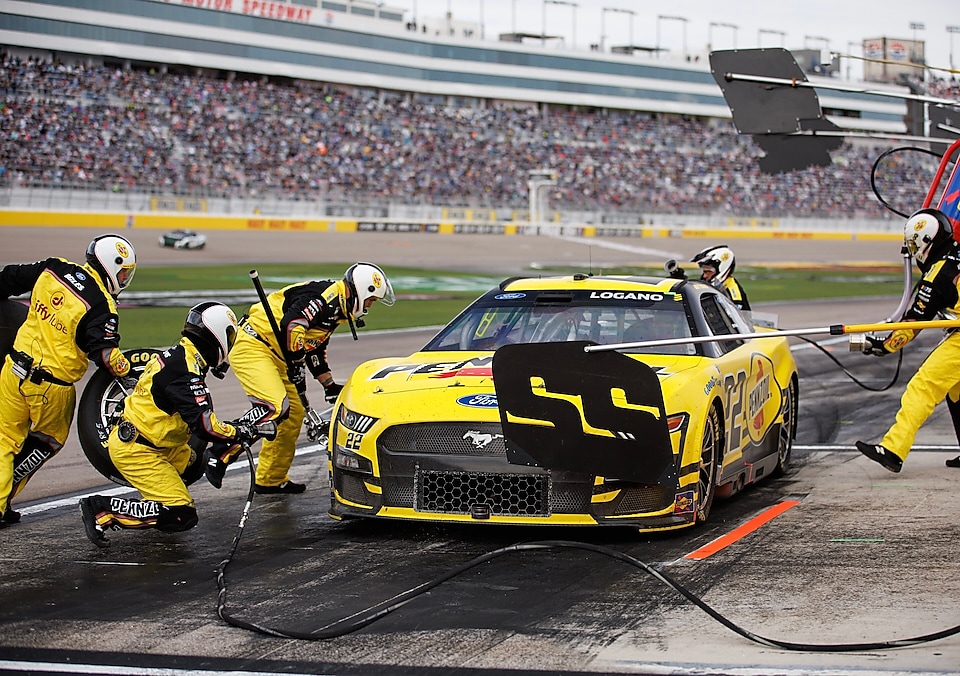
101,404
711,456
788,430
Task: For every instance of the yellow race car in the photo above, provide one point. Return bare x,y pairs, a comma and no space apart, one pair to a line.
545,402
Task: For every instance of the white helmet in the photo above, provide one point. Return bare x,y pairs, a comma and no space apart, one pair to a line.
927,235
213,328
114,260
719,257
366,281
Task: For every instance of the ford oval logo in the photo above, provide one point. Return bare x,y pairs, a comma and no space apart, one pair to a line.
509,296
478,401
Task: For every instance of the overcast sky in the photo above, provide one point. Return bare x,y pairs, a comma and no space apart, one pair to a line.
803,22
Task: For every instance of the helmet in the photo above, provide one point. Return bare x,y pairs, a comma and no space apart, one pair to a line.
927,235
720,258
366,281
213,327
114,260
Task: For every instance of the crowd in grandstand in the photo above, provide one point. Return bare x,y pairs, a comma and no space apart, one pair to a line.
148,131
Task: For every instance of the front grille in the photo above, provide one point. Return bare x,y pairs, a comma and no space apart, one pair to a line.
502,494
352,489
645,499
477,439
397,492
570,498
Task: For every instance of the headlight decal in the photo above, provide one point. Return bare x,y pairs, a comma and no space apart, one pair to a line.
355,421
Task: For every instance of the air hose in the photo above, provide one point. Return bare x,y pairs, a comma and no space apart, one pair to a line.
360,619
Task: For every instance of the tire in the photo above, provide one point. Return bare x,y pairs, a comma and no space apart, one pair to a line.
711,456
787,431
97,413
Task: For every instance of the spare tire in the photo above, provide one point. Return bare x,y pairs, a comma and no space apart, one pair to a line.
100,406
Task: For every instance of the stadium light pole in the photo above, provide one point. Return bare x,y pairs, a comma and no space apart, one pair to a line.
916,26
672,18
952,30
603,33
573,38
719,24
770,32
850,56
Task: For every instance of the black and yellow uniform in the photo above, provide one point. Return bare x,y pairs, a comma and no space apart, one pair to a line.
71,320
735,292
169,403
939,376
307,314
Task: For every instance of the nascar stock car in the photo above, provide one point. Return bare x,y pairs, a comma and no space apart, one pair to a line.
183,239
541,404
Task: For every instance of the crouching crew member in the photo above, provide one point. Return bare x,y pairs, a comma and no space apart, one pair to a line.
71,321
150,445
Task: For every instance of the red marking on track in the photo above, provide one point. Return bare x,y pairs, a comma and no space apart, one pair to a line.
741,531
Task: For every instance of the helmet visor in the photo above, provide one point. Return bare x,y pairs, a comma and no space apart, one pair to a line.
125,275
388,298
912,246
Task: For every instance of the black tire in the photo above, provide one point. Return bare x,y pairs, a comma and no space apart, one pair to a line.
97,413
711,457
787,432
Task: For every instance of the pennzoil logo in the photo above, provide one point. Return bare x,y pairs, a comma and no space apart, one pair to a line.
764,398
122,249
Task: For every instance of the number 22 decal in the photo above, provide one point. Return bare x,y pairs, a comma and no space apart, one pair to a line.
734,387
353,441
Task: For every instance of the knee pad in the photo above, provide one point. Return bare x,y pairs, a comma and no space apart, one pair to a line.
33,454
177,519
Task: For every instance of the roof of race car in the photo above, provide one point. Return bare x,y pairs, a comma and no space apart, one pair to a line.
583,281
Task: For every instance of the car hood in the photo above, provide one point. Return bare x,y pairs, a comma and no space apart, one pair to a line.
454,385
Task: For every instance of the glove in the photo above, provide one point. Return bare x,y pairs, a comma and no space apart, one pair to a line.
247,432
874,346
298,376
331,392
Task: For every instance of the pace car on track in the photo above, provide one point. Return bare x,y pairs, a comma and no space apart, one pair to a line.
183,239
506,416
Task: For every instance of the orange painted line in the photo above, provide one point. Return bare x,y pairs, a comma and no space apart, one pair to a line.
741,531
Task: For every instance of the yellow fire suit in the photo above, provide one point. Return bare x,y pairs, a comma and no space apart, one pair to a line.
307,314
149,447
71,320
735,292
939,375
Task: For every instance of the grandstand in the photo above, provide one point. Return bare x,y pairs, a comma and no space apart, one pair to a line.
210,107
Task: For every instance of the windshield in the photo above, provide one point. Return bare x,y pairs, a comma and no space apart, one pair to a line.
486,327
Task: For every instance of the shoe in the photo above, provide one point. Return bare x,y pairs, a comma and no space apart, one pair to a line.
10,516
90,525
285,487
213,468
881,455
954,462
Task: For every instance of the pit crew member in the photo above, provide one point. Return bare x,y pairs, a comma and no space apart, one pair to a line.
273,374
71,320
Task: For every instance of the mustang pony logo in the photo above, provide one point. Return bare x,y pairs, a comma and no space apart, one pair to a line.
481,439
